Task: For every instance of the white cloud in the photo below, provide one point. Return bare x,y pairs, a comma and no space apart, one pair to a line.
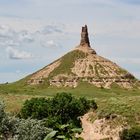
6,32
8,42
16,54
10,37
33,24
25,36
49,29
50,43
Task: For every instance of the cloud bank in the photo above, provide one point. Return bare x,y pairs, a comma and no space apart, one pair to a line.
16,54
34,33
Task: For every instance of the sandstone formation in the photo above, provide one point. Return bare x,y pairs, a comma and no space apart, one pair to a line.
84,37
83,64
85,43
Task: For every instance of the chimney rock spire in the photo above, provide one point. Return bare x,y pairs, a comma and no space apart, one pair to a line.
85,43
84,37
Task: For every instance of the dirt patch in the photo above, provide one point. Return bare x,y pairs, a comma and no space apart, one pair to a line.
101,128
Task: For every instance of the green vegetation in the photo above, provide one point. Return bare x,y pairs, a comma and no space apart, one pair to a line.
15,95
83,89
7,126
14,102
122,71
128,107
116,100
110,101
67,62
131,134
20,129
60,133
49,119
62,109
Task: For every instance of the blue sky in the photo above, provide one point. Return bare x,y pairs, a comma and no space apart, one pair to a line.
33,33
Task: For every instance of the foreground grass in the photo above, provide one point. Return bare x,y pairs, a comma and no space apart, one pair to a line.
128,107
13,103
110,101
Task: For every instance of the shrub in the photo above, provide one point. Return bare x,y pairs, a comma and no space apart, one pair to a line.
66,132
7,124
131,134
35,108
31,129
62,109
20,129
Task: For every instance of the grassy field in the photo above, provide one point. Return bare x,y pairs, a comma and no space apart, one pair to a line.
84,89
110,101
13,103
128,107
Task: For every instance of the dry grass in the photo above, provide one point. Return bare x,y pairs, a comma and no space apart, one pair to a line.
13,103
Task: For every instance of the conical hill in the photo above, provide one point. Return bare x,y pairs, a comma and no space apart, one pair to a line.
83,64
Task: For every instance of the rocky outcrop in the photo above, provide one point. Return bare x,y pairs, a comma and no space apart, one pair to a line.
84,37
64,80
85,43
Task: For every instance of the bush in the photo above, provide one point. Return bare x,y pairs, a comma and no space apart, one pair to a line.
7,124
131,134
20,129
31,129
62,109
66,132
35,108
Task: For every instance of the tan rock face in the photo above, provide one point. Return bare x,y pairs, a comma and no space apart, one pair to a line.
101,72
102,128
38,77
87,66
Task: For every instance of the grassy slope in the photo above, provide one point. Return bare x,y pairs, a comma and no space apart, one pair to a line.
128,107
67,62
115,100
84,89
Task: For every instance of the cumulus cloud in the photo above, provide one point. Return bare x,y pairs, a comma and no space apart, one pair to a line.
16,54
5,32
50,29
50,43
10,37
25,36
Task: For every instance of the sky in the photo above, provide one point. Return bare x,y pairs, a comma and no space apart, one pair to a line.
33,33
